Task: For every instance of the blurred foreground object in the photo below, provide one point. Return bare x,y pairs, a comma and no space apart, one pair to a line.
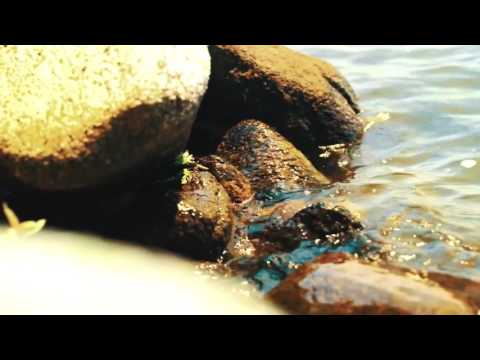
64,273
20,228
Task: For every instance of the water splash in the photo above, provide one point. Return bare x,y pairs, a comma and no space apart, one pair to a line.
274,268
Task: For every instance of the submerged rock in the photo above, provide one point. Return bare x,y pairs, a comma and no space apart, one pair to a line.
341,284
306,99
315,223
466,289
269,161
80,116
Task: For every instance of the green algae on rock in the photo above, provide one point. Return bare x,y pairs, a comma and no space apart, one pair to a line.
268,160
79,116
306,99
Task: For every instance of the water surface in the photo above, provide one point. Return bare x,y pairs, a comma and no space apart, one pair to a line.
417,182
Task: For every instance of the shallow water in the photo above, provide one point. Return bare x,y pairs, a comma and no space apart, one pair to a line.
417,179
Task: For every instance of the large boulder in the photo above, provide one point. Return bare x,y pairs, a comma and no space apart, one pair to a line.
340,284
78,116
304,98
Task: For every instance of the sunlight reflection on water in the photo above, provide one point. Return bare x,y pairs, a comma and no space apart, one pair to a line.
417,177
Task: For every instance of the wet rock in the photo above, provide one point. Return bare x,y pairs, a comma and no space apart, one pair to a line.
234,182
269,161
334,161
81,116
307,100
194,220
465,289
341,284
315,223
203,218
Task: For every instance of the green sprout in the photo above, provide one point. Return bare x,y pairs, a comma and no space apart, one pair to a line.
187,162
185,159
186,176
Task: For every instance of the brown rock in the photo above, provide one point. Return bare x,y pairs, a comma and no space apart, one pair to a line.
194,220
203,219
271,163
340,284
307,100
236,184
465,289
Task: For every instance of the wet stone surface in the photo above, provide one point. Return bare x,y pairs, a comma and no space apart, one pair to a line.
269,161
194,221
315,223
232,179
340,284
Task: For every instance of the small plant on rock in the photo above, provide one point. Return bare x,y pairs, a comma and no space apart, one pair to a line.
187,162
20,228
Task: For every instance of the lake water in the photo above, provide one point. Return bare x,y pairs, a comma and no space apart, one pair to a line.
417,179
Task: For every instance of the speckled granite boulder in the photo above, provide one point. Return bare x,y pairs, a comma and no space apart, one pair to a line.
78,116
306,99
340,284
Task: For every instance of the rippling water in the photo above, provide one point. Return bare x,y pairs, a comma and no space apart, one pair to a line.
417,183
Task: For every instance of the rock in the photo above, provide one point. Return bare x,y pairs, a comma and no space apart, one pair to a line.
193,221
339,83
81,116
70,273
307,100
271,163
341,284
234,182
315,223
334,161
465,289
203,219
